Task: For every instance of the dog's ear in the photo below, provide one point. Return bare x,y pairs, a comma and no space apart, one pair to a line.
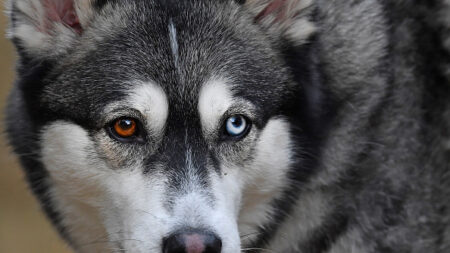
47,28
288,18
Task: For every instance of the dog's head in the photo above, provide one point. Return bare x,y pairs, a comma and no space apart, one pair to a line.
161,126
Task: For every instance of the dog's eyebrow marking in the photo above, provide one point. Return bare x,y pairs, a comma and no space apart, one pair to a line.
173,42
214,100
151,100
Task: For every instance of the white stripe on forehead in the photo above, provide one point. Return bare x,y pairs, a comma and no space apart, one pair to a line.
214,100
151,100
173,42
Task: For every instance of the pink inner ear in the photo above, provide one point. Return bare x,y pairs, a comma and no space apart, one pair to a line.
62,11
275,7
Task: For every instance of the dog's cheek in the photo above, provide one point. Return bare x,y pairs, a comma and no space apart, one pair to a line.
101,208
266,176
74,175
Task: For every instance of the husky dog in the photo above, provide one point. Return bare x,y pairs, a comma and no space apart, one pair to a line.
236,126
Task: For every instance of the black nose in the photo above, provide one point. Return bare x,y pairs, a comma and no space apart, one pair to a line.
192,241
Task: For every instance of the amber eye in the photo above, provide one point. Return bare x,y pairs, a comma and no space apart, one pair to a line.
125,127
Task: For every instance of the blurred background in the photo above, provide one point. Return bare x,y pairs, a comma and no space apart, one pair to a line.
23,227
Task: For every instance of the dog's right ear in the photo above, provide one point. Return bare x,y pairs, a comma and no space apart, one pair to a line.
288,18
46,29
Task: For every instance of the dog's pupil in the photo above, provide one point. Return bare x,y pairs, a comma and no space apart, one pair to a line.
126,124
236,121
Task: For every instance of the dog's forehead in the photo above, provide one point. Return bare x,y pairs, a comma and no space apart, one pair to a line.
180,49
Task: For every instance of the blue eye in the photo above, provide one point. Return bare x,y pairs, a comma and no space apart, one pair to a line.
236,126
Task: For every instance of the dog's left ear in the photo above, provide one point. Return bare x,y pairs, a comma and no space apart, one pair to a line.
288,18
48,28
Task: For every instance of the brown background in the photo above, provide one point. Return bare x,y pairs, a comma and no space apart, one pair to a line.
23,227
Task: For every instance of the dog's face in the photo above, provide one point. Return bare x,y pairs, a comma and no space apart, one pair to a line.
160,126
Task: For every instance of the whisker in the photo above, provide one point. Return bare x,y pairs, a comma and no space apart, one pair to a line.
246,236
109,241
153,215
261,249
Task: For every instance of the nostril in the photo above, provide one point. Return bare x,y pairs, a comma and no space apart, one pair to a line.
192,241
212,243
173,244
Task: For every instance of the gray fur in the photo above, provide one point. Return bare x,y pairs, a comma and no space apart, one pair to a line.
380,180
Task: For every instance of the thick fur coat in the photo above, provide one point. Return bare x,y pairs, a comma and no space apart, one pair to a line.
342,111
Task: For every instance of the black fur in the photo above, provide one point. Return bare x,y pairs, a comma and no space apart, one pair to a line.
367,99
